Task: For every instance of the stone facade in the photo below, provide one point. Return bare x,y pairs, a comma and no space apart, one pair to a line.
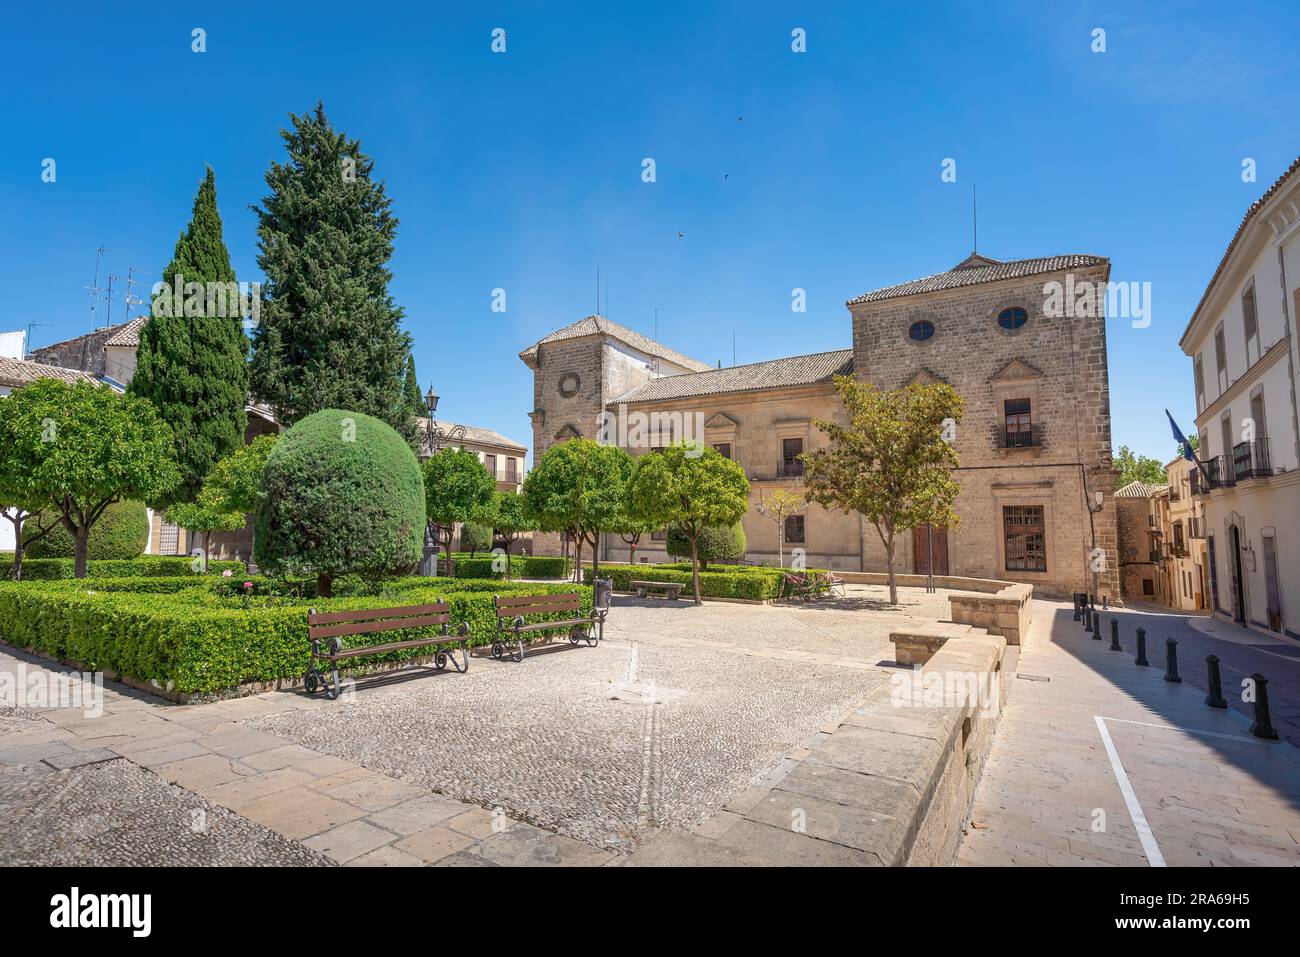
1056,479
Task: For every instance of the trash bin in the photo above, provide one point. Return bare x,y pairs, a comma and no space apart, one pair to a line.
604,591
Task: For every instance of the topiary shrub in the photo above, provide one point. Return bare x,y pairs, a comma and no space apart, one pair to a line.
475,538
122,532
715,544
341,492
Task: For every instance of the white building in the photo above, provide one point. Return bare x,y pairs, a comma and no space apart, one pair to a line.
1242,341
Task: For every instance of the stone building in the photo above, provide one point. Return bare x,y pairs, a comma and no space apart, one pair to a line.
1241,339
1029,359
1140,535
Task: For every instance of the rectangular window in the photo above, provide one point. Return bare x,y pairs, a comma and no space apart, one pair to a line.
1199,367
1220,360
1148,586
1025,537
168,539
723,449
659,535
490,463
1019,429
1250,321
794,530
512,471
791,449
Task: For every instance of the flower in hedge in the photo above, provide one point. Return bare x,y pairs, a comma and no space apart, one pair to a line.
227,573
248,586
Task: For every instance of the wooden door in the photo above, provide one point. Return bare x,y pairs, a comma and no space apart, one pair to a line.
921,538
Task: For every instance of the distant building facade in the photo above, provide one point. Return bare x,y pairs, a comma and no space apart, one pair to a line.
1036,501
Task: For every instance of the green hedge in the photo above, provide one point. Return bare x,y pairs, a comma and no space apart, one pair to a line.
753,584
195,640
521,566
122,533
147,566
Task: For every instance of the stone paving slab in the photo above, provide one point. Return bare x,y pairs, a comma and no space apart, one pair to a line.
1209,792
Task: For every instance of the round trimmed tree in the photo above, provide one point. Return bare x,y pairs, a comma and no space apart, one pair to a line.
341,492
717,543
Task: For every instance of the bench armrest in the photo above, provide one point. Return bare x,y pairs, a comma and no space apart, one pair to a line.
463,631
519,621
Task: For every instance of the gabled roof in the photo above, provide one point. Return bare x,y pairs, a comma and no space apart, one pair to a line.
1254,208
127,334
16,373
976,269
773,374
599,325
1140,490
112,331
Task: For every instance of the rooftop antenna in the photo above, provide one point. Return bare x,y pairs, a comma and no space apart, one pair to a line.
30,326
108,320
598,290
974,221
656,340
94,286
606,312
131,283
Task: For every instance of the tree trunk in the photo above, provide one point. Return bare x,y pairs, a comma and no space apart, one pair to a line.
889,560
577,560
16,571
81,551
324,585
595,557
695,571
780,542
509,543
631,559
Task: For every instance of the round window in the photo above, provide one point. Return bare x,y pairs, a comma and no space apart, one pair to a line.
569,384
1012,318
920,330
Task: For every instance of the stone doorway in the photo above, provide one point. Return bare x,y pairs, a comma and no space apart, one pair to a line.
922,537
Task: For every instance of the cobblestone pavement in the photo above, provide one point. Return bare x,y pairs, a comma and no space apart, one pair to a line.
602,744
115,813
1101,762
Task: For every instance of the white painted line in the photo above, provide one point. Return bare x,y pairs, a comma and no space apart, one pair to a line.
1149,846
1197,731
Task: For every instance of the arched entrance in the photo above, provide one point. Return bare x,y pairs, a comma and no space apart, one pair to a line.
1238,579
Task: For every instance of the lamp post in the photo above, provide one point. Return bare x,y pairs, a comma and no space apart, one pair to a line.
436,438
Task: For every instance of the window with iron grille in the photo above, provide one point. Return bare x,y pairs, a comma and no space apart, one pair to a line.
1018,422
723,449
791,449
1025,536
794,530
168,539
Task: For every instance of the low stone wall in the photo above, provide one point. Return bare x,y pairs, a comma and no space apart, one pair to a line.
1007,612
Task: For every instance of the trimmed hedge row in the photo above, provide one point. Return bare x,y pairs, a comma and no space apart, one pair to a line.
195,641
521,566
753,582
146,566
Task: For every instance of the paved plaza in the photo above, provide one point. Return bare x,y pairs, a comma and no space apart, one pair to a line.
1101,762
572,757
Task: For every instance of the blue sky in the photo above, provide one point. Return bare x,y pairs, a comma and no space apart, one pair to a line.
522,170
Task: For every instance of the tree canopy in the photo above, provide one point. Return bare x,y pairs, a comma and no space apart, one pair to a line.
579,485
891,463
1138,468
329,334
457,488
79,448
691,486
192,364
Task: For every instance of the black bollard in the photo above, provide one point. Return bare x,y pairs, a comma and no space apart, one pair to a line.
1215,698
1077,603
1095,624
1114,635
1105,602
1263,726
1171,661
1141,658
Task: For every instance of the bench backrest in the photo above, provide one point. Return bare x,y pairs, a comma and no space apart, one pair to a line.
513,605
364,621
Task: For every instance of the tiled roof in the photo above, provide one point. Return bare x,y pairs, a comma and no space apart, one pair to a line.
128,334
112,331
594,325
474,434
1140,490
18,372
973,275
773,374
1232,244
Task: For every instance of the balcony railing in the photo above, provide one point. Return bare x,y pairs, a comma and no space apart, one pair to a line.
1196,527
789,468
1220,471
1030,438
1250,459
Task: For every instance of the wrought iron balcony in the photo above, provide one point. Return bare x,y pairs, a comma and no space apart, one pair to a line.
1220,471
1023,438
1196,527
1250,459
1198,484
789,468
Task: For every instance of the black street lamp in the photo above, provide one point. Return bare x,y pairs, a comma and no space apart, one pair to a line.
436,437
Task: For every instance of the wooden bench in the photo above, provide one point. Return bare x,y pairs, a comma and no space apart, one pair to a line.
512,623
333,625
670,589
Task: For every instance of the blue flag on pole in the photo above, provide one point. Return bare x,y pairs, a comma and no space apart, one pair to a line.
1188,452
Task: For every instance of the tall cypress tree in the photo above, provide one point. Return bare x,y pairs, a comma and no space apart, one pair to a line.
330,335
192,363
411,391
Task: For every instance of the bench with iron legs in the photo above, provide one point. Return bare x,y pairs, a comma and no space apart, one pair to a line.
669,589
512,621
329,627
